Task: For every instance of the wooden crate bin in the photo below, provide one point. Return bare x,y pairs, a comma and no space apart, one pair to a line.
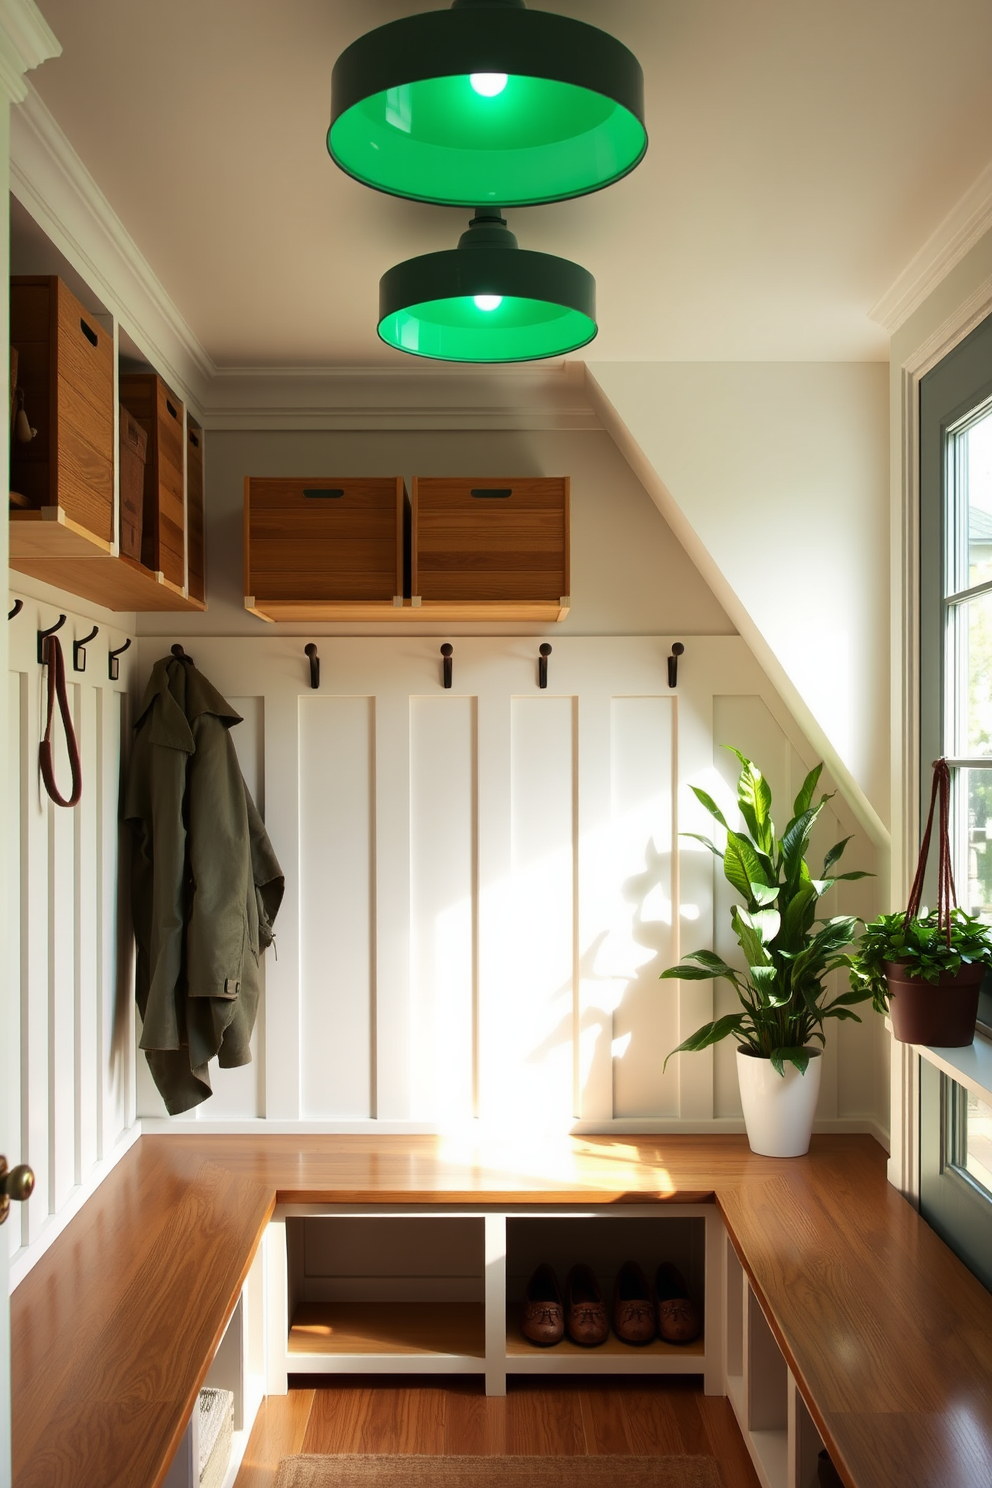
490,545
65,367
325,548
160,413
195,558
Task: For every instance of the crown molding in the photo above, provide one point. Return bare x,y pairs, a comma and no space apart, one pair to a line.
26,40
53,184
415,397
961,229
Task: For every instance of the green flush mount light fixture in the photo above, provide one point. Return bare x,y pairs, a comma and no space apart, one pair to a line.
487,300
487,103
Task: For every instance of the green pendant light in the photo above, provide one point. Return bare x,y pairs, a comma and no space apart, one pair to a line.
487,300
487,103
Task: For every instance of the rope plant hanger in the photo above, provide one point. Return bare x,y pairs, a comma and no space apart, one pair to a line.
946,894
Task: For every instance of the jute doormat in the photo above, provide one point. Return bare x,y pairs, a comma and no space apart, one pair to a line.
497,1472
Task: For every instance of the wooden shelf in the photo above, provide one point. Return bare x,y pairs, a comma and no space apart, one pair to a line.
537,610
47,533
402,1330
364,610
299,610
48,545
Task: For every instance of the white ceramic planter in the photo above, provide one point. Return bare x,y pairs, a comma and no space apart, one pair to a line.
778,1109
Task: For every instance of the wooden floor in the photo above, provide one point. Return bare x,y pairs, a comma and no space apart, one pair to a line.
451,1416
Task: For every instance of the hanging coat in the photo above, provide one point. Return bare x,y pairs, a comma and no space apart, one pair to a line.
205,884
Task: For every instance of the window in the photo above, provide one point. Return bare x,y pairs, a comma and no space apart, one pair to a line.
956,721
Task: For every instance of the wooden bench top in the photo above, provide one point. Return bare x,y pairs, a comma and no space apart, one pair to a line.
887,1334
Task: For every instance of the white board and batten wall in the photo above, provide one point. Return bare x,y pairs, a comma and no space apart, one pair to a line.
480,884
71,1098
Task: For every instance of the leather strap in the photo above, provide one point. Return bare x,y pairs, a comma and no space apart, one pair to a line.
46,759
946,894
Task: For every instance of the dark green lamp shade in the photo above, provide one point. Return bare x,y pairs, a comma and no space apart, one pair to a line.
487,304
487,104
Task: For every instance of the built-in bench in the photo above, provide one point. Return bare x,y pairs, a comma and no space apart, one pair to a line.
886,1336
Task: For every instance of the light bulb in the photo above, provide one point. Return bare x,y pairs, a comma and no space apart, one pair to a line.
488,302
488,83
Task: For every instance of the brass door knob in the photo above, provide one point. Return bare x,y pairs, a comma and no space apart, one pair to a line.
15,1183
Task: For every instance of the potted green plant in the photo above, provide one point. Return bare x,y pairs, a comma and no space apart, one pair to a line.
788,953
924,968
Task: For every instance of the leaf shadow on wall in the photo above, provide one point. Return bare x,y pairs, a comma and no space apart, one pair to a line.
626,1015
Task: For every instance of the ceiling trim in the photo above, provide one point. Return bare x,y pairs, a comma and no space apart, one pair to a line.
968,221
26,40
550,396
52,183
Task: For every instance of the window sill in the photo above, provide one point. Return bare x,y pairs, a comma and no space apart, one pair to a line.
970,1066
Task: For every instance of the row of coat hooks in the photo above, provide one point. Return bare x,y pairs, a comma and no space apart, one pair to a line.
78,647
448,666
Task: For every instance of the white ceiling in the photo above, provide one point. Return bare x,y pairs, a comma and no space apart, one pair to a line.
801,153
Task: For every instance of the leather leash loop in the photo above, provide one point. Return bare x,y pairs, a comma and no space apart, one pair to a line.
46,759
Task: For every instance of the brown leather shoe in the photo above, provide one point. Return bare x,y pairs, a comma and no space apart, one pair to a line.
542,1317
679,1319
633,1310
585,1310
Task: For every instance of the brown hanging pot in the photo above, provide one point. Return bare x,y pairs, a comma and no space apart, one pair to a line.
941,1013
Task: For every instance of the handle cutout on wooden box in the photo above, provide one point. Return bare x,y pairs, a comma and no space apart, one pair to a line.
172,410
323,493
89,333
486,493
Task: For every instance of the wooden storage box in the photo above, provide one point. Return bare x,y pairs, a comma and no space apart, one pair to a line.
133,453
65,367
195,561
160,413
490,547
325,548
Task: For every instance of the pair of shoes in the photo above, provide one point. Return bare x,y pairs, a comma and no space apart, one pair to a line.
637,1315
545,1317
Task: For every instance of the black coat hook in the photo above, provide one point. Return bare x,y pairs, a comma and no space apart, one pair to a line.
542,665
673,664
180,654
43,637
311,651
447,652
79,650
113,665
18,607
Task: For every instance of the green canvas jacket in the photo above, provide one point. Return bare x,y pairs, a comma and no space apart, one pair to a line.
205,884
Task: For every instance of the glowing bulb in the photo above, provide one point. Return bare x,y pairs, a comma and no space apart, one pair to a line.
488,84
488,302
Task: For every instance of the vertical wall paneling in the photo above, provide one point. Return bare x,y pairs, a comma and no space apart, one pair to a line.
61,996
639,945
336,950
496,958
35,1071
74,1086
599,990
442,908
391,1093
86,950
483,885
533,1064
